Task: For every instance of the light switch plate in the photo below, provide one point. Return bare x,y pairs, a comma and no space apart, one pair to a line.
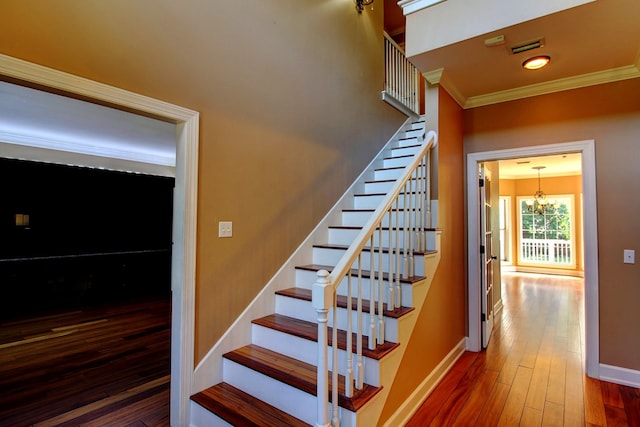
225,229
629,256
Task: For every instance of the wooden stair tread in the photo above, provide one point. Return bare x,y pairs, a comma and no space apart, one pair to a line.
309,331
241,409
305,294
368,249
358,227
296,373
354,272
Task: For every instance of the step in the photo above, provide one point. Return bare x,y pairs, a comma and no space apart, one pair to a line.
298,339
389,173
309,331
404,151
306,275
285,382
359,217
345,235
241,409
363,200
396,160
331,254
299,306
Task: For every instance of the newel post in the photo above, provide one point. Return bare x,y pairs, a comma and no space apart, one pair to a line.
322,297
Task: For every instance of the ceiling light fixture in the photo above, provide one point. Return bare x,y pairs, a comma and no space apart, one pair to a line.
536,62
360,4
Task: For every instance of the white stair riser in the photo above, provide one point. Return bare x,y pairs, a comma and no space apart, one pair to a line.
360,218
346,236
414,133
307,351
201,417
328,256
403,151
284,397
396,161
306,278
367,202
383,174
303,310
411,138
371,201
377,187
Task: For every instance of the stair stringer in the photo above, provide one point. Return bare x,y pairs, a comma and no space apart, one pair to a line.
209,370
369,415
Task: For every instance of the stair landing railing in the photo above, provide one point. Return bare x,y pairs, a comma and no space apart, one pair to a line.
389,239
402,79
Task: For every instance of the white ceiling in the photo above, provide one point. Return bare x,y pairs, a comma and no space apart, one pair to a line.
41,120
555,165
588,44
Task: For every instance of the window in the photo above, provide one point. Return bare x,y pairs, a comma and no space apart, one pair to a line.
505,228
547,238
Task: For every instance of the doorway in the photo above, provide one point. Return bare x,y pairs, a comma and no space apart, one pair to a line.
587,151
184,204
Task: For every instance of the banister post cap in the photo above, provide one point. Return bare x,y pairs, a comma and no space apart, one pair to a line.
322,291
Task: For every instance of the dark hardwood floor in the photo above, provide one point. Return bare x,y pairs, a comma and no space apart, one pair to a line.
110,367
90,367
532,373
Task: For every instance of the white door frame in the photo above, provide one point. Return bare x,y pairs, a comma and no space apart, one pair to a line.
590,239
183,259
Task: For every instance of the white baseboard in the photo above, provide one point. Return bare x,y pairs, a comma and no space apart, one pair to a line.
623,376
498,306
404,413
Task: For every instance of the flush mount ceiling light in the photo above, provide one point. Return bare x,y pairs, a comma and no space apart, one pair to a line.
536,62
360,4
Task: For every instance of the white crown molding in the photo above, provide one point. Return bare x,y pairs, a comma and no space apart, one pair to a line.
437,77
410,6
591,79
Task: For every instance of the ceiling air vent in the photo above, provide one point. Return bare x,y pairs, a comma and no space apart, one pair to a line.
524,47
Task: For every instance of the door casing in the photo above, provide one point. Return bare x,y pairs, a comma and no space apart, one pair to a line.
587,149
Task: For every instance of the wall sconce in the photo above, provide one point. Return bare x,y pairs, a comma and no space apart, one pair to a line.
360,4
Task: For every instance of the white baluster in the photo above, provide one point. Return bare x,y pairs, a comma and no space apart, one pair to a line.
372,293
360,378
348,389
380,288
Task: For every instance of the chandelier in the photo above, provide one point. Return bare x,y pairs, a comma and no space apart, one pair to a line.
540,204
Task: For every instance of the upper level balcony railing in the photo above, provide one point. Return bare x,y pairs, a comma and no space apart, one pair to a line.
402,79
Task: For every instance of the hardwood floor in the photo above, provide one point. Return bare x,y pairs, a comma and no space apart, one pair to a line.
93,367
532,373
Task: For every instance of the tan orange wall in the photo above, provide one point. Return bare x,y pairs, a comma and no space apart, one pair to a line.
442,322
556,185
610,115
289,97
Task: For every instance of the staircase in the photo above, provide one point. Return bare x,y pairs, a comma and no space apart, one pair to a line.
273,379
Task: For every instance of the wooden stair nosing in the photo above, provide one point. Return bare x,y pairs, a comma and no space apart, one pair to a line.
296,374
305,294
356,227
366,274
241,409
309,331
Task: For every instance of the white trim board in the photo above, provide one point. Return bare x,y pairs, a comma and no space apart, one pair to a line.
420,394
624,376
592,320
183,258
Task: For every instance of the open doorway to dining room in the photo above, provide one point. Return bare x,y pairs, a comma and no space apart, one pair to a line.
519,246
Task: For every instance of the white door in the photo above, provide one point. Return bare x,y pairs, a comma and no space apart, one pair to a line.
486,256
